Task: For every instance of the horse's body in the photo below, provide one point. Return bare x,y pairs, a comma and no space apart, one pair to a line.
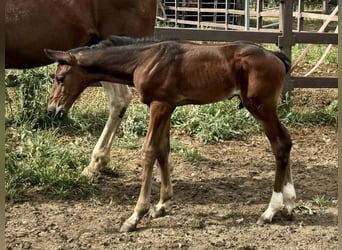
32,25
168,74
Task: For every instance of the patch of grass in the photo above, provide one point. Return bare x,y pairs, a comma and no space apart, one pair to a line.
43,155
323,117
133,127
318,204
321,201
135,122
315,53
131,142
214,122
192,155
220,121
27,102
38,160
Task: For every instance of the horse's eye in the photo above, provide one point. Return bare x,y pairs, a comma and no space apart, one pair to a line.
60,79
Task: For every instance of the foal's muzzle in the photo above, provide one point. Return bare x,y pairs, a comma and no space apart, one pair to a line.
57,114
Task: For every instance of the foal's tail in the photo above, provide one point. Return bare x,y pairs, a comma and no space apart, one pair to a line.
284,59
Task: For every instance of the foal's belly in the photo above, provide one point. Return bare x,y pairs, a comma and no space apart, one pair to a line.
201,96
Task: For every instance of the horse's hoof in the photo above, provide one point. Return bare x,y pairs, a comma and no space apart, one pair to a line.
90,174
128,227
289,216
154,213
261,221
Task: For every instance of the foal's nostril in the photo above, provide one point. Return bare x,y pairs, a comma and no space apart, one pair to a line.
51,112
61,115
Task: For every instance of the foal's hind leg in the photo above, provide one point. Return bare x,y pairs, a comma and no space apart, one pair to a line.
283,193
119,97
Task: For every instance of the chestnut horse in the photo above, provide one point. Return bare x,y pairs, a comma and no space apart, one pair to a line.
32,25
168,74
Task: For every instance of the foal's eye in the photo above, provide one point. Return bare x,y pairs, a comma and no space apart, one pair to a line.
60,79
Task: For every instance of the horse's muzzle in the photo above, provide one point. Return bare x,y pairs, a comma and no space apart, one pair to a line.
57,114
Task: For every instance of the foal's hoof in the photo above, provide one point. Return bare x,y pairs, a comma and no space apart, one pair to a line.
289,216
88,173
128,226
262,220
154,213
157,178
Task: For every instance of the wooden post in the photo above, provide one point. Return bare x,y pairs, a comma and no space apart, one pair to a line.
285,40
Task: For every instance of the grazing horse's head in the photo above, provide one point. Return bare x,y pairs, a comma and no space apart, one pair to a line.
65,90
68,84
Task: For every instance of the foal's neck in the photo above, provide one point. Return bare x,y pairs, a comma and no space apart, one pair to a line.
115,61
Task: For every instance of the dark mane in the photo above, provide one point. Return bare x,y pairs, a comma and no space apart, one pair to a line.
114,40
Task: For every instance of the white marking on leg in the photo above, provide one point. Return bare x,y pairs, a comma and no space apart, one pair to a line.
119,97
274,206
134,218
159,210
157,177
289,197
131,223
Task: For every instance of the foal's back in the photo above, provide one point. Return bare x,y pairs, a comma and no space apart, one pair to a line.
190,73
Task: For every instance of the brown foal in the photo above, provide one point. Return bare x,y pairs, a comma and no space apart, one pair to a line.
168,74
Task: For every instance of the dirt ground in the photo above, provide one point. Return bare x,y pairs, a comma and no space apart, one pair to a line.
216,201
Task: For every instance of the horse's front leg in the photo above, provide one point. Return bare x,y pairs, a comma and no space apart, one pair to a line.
166,190
160,114
119,97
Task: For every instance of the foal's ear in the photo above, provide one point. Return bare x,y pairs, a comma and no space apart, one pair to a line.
61,57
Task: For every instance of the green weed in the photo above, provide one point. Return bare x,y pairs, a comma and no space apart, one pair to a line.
38,160
317,204
27,102
321,201
214,122
192,155
322,117
315,53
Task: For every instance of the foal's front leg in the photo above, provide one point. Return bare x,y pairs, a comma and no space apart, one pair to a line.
166,190
156,146
118,96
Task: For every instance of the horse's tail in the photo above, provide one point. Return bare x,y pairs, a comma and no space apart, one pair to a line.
284,59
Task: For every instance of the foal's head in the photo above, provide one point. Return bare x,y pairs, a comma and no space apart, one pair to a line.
68,84
71,79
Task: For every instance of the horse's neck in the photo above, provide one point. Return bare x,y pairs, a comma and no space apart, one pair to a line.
110,60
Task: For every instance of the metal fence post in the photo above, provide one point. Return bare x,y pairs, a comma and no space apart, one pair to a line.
285,40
